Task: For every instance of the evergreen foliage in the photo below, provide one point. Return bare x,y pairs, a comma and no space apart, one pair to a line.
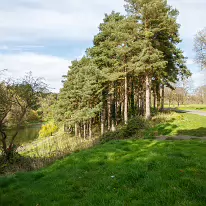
134,57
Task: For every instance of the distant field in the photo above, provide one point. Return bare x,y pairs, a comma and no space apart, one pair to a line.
127,172
200,107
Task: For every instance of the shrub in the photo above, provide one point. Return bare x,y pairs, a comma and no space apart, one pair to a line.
134,128
135,125
163,117
32,116
48,129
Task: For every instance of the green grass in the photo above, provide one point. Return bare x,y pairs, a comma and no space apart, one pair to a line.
132,172
180,124
199,107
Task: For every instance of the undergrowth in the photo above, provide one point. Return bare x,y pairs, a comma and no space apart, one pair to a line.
134,129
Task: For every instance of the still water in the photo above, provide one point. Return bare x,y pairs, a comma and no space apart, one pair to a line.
26,134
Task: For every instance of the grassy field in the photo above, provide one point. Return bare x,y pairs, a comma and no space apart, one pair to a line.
200,107
138,172
179,124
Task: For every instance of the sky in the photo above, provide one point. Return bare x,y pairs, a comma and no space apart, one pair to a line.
44,36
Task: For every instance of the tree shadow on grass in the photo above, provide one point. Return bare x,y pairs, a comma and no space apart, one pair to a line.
199,132
166,129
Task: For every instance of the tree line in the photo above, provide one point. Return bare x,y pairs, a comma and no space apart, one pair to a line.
133,59
184,96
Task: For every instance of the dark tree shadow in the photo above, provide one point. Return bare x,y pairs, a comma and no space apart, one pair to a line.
199,132
166,129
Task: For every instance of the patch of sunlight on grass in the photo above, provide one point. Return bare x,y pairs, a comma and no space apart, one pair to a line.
179,124
152,144
200,107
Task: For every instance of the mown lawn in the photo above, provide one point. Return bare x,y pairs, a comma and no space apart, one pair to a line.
127,172
181,124
200,107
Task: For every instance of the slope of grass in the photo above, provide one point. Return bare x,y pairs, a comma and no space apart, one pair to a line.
138,172
179,124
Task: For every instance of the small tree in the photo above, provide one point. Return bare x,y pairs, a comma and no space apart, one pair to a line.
16,99
200,48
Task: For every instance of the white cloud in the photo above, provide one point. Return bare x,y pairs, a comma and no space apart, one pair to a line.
31,22
76,20
51,19
191,17
190,61
199,78
51,68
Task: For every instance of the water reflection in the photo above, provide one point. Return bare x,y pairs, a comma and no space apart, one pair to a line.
26,134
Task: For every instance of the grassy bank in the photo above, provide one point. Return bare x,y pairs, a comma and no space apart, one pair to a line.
171,124
44,151
138,172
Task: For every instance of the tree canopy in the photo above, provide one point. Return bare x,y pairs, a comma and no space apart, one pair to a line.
132,60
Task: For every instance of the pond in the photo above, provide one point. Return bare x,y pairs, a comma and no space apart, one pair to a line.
26,134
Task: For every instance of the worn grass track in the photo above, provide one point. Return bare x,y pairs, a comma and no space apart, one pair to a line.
127,172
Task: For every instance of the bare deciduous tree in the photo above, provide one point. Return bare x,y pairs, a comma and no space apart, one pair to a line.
200,48
16,99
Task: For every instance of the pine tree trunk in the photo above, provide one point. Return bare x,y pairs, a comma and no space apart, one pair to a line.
132,99
102,120
125,99
113,109
142,103
79,131
113,126
154,94
122,111
84,131
109,113
90,129
76,130
103,112
158,96
138,102
163,96
147,109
